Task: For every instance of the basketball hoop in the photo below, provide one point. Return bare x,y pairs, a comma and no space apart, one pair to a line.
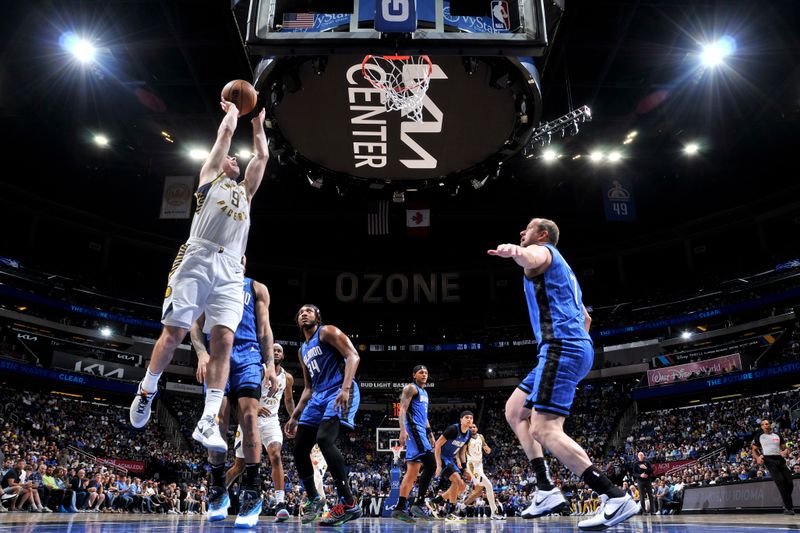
403,80
396,451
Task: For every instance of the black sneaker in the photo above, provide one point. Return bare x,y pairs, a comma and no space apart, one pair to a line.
418,512
342,513
788,512
281,512
312,509
403,515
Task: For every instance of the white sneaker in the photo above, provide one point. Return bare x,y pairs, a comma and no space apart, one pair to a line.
206,432
611,512
140,407
496,516
545,502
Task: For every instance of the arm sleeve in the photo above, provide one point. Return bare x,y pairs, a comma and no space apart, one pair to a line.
450,433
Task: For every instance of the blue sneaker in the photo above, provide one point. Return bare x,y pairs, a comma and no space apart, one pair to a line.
249,510
218,503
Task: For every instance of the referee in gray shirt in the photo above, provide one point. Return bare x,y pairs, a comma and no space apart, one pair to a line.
770,450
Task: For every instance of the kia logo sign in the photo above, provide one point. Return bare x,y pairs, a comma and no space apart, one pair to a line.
337,120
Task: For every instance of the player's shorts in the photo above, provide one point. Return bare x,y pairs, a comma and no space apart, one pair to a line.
449,467
551,385
320,407
270,429
417,444
476,470
205,278
246,373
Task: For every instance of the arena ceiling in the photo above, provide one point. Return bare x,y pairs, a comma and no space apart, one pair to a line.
161,65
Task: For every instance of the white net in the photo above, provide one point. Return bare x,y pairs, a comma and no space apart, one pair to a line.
404,80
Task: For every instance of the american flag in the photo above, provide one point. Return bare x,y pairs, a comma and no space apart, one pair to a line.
298,20
378,218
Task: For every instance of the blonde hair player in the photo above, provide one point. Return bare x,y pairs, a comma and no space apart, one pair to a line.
207,276
476,447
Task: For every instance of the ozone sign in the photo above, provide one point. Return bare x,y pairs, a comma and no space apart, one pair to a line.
338,122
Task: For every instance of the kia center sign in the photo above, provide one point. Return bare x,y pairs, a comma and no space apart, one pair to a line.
331,119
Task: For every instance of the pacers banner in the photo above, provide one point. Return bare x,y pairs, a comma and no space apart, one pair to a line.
176,202
618,200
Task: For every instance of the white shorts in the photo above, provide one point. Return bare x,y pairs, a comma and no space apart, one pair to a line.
478,477
205,278
270,429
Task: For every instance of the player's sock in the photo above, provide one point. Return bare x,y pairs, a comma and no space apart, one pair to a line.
218,475
439,500
600,483
280,496
401,503
150,381
543,481
213,402
251,479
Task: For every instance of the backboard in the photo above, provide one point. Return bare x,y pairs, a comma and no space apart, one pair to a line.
452,27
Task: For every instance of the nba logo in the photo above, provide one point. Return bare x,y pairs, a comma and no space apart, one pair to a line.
500,20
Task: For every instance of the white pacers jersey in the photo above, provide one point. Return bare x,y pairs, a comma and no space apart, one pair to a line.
222,215
272,402
475,451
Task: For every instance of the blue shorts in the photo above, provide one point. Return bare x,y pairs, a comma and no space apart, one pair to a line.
417,444
320,407
551,385
449,467
246,371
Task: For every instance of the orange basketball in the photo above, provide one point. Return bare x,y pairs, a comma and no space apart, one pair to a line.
242,94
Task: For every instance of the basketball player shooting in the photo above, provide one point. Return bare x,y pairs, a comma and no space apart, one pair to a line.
538,406
207,275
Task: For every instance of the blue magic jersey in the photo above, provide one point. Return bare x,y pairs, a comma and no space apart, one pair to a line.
455,440
555,303
324,364
417,414
246,332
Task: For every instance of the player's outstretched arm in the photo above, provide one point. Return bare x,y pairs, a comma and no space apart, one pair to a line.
264,332
255,169
222,145
531,257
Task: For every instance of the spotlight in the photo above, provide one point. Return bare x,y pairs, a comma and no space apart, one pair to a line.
550,155
691,149
245,154
398,197
596,156
686,335
198,154
632,134
714,54
613,157
80,48
105,331
101,140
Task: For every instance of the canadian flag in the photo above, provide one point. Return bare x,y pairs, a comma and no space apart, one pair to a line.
418,220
